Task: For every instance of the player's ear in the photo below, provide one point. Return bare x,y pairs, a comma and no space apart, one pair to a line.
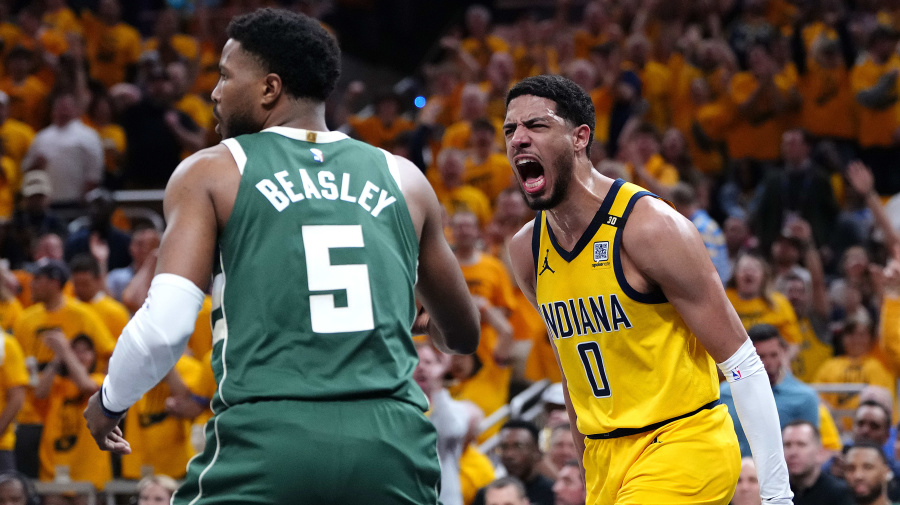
581,137
273,89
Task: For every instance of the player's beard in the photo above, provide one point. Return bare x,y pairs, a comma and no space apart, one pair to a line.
238,123
563,167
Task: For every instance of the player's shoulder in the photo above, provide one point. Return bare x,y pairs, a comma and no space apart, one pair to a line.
652,220
204,167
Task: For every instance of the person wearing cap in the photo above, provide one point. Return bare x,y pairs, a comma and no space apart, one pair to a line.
15,135
34,218
875,87
70,151
51,310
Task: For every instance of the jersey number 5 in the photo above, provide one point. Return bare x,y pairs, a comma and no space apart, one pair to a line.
323,276
585,350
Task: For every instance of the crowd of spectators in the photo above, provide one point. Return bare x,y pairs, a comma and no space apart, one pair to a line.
774,126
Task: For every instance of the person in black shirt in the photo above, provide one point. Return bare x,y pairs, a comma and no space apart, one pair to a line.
520,455
811,486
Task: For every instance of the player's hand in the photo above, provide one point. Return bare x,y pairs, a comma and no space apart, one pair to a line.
105,431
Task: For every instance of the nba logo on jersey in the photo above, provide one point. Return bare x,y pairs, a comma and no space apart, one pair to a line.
601,251
317,155
736,374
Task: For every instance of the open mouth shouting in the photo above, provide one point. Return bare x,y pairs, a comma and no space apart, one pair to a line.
531,173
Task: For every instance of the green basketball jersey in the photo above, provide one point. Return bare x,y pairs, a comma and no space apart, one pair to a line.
313,293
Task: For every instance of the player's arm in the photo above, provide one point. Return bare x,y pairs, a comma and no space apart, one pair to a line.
669,252
452,321
522,259
156,336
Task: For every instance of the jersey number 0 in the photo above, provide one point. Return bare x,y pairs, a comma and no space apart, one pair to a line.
323,276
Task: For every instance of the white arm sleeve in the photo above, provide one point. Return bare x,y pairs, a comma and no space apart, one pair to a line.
153,341
756,410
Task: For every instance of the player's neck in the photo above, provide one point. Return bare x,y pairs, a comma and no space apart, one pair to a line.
575,212
299,113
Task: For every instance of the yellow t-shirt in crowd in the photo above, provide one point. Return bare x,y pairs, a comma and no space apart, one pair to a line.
491,176
475,472
157,438
372,131
13,374
779,314
811,353
482,50
185,45
8,187
465,197
73,319
661,171
27,100
63,20
110,50
113,314
16,137
66,439
865,370
829,109
876,126
198,109
10,311
760,141
831,437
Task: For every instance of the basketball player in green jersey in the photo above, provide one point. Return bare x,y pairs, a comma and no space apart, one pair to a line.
323,244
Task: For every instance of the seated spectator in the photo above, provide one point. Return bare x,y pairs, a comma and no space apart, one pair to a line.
747,490
381,128
157,489
793,399
100,229
803,452
684,196
857,365
520,455
144,240
569,486
88,287
34,218
752,296
450,419
868,473
67,382
505,491
561,450
453,194
17,489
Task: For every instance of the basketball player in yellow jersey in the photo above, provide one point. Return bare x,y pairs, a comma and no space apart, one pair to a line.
637,314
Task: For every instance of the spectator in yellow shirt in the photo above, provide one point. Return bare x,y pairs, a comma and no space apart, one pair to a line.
876,89
27,94
382,128
13,381
60,17
646,165
16,137
856,365
88,286
486,168
453,194
112,137
66,383
755,302
480,43
169,43
113,47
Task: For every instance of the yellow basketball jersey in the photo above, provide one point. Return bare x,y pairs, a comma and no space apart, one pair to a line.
629,359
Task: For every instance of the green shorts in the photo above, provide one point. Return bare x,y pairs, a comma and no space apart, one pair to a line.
372,451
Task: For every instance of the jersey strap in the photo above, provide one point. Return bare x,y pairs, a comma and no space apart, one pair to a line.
625,432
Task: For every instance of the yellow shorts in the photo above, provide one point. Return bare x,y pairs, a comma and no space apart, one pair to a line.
693,460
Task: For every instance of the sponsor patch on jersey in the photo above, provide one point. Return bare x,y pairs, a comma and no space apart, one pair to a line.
601,251
317,155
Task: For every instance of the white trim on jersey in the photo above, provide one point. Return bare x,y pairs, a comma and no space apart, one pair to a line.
220,329
237,152
392,166
307,135
211,463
